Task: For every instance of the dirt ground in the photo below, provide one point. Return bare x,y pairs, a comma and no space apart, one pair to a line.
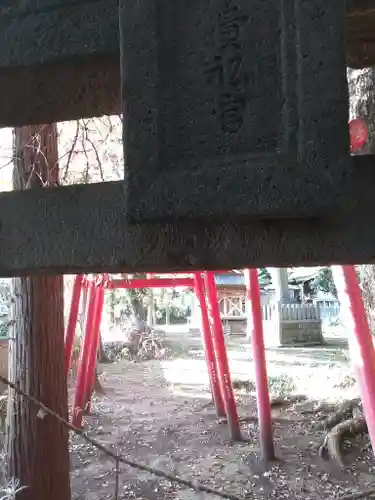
158,413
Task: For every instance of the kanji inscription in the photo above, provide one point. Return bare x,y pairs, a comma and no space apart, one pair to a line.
227,69
234,108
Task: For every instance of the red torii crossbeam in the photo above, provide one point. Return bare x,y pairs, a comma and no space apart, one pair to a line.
151,283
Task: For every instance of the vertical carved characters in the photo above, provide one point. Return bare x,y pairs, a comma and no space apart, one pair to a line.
226,69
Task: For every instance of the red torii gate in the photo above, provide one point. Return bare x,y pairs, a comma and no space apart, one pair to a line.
223,397
212,336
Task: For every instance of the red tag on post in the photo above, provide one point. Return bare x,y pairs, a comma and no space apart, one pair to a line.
358,134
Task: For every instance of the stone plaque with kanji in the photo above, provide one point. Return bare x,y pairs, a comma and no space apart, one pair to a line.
234,108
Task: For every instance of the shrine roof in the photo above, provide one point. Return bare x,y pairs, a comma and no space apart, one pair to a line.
295,275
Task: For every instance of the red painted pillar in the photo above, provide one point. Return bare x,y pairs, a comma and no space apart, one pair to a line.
94,345
72,320
79,400
222,359
209,346
261,381
360,340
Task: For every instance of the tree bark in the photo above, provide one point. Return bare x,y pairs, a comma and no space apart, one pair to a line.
151,308
38,454
137,305
136,298
360,33
362,104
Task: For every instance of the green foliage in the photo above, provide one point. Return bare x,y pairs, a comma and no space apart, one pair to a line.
172,303
264,275
4,329
324,282
5,299
176,315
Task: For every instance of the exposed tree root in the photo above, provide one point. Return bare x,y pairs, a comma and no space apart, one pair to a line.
322,407
332,444
344,412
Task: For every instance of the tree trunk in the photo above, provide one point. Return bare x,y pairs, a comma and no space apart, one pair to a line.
168,311
362,104
136,298
151,308
38,444
102,357
360,33
136,304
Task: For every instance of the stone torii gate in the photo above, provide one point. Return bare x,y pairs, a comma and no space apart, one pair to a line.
235,133
235,138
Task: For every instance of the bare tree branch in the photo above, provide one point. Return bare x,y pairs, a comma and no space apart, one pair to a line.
70,153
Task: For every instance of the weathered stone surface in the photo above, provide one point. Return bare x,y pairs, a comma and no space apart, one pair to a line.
234,108
300,333
292,333
85,228
58,60
40,82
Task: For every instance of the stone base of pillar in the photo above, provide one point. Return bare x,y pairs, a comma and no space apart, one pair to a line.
292,333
